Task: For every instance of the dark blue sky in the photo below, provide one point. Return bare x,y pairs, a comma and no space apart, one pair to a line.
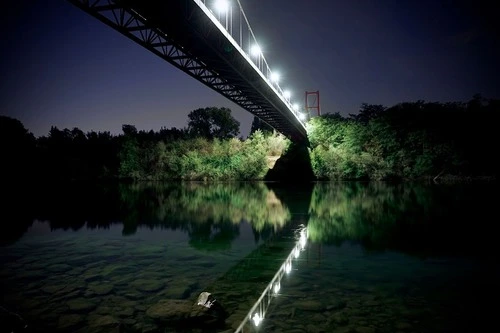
61,67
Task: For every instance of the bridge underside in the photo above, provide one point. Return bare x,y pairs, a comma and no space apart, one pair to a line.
180,32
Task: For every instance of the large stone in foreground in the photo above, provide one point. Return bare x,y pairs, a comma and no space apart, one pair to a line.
173,312
170,310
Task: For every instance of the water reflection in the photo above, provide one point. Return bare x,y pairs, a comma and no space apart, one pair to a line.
413,218
209,213
258,311
354,272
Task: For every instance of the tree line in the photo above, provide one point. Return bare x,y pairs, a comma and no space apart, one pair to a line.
411,140
207,149
407,141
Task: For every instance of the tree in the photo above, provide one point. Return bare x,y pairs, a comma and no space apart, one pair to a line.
129,129
213,123
258,124
17,145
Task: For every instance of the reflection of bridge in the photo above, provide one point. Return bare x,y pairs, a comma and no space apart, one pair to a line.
240,287
211,41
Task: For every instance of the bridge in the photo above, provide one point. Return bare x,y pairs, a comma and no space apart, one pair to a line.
212,41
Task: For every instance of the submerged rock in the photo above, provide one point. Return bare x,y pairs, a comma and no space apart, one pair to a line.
170,310
206,311
205,299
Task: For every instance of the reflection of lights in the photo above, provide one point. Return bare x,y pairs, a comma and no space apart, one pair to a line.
288,267
277,287
303,238
296,252
256,319
258,310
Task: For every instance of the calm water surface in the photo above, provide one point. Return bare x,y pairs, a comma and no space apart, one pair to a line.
374,257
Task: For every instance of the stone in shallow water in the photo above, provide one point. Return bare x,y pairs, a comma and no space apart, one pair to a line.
125,312
309,305
205,299
148,285
207,311
168,310
59,268
116,269
365,329
81,305
177,291
102,321
100,289
336,305
91,277
69,321
51,289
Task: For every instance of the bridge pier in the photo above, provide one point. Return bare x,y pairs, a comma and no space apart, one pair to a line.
294,166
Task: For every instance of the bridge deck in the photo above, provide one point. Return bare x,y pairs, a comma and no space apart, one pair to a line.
185,33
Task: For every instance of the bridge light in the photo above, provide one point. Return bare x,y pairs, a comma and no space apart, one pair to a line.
275,77
295,107
255,50
302,117
287,94
222,6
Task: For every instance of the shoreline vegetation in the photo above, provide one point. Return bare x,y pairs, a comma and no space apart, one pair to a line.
427,141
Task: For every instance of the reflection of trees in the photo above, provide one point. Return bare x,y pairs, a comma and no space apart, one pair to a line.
409,217
210,213
198,203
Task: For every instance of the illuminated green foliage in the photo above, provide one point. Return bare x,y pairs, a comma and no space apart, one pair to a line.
406,141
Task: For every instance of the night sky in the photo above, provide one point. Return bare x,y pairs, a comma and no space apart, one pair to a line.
62,67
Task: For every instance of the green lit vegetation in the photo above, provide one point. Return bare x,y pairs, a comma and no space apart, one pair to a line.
407,141
207,149
417,140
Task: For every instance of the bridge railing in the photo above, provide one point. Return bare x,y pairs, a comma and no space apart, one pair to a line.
237,29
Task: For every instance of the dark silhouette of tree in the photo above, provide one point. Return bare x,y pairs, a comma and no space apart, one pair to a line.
258,124
368,112
213,123
17,145
129,129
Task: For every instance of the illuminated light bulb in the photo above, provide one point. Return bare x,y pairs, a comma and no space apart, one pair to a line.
287,94
295,107
256,319
255,50
275,77
302,116
222,6
288,267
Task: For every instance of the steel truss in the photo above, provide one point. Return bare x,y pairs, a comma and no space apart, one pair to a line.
216,72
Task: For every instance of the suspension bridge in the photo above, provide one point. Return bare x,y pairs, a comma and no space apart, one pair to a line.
213,42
